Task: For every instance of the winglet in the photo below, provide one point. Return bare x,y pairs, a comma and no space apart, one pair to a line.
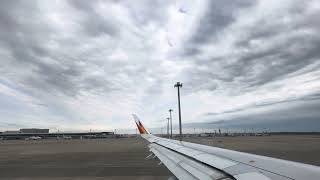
141,128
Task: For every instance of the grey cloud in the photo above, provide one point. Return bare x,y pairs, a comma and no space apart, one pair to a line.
289,52
280,60
27,40
219,15
92,23
147,12
11,125
26,33
286,116
307,99
45,58
54,79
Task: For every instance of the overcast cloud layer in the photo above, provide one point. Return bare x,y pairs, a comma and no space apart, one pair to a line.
79,65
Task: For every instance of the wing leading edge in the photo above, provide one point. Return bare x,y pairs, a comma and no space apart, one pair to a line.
194,161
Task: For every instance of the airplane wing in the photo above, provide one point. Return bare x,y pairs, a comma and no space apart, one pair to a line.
194,161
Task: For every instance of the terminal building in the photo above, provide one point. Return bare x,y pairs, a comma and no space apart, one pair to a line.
11,132
34,131
44,134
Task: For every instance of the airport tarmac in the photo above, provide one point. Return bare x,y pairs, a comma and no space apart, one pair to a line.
90,159
299,148
124,158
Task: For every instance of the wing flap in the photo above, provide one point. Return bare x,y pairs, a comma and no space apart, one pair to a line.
184,167
204,157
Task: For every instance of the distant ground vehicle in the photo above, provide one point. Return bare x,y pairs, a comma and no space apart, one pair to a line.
66,137
33,138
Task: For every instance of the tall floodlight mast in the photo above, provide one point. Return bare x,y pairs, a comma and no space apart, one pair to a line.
170,111
178,85
168,127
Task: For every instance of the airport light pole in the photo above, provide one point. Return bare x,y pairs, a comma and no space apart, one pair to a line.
168,127
178,85
170,111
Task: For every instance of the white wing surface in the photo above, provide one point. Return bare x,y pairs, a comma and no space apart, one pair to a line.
194,161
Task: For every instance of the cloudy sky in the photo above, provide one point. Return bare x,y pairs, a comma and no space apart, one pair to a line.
79,65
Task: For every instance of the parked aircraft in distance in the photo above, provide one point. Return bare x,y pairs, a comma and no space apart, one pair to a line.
194,161
33,138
